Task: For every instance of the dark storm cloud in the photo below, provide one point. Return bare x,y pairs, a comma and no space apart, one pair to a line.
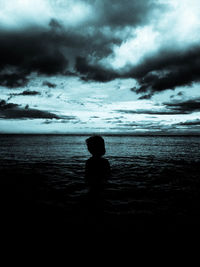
14,79
116,16
148,96
46,51
31,50
167,69
149,111
190,123
15,111
26,93
92,72
184,107
50,50
170,108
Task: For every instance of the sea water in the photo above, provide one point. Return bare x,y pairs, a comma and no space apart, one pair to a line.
150,174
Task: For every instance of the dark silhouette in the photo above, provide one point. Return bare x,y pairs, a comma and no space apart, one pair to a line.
97,169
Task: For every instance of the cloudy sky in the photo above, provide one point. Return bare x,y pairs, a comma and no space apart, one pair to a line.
79,66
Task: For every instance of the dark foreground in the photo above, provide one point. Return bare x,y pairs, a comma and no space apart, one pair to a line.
153,198
84,231
23,214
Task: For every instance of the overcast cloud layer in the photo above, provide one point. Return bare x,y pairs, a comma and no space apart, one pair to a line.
148,51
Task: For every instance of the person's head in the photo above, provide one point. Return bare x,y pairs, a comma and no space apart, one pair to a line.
96,145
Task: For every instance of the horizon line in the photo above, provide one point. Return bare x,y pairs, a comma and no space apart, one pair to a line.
107,134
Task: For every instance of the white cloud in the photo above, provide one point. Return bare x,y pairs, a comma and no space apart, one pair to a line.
179,26
22,13
131,51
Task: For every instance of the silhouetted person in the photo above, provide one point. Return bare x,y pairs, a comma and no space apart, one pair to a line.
97,169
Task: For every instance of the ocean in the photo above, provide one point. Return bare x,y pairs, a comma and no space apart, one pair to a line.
152,177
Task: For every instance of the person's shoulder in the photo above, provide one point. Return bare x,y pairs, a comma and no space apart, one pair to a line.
89,160
104,160
100,159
